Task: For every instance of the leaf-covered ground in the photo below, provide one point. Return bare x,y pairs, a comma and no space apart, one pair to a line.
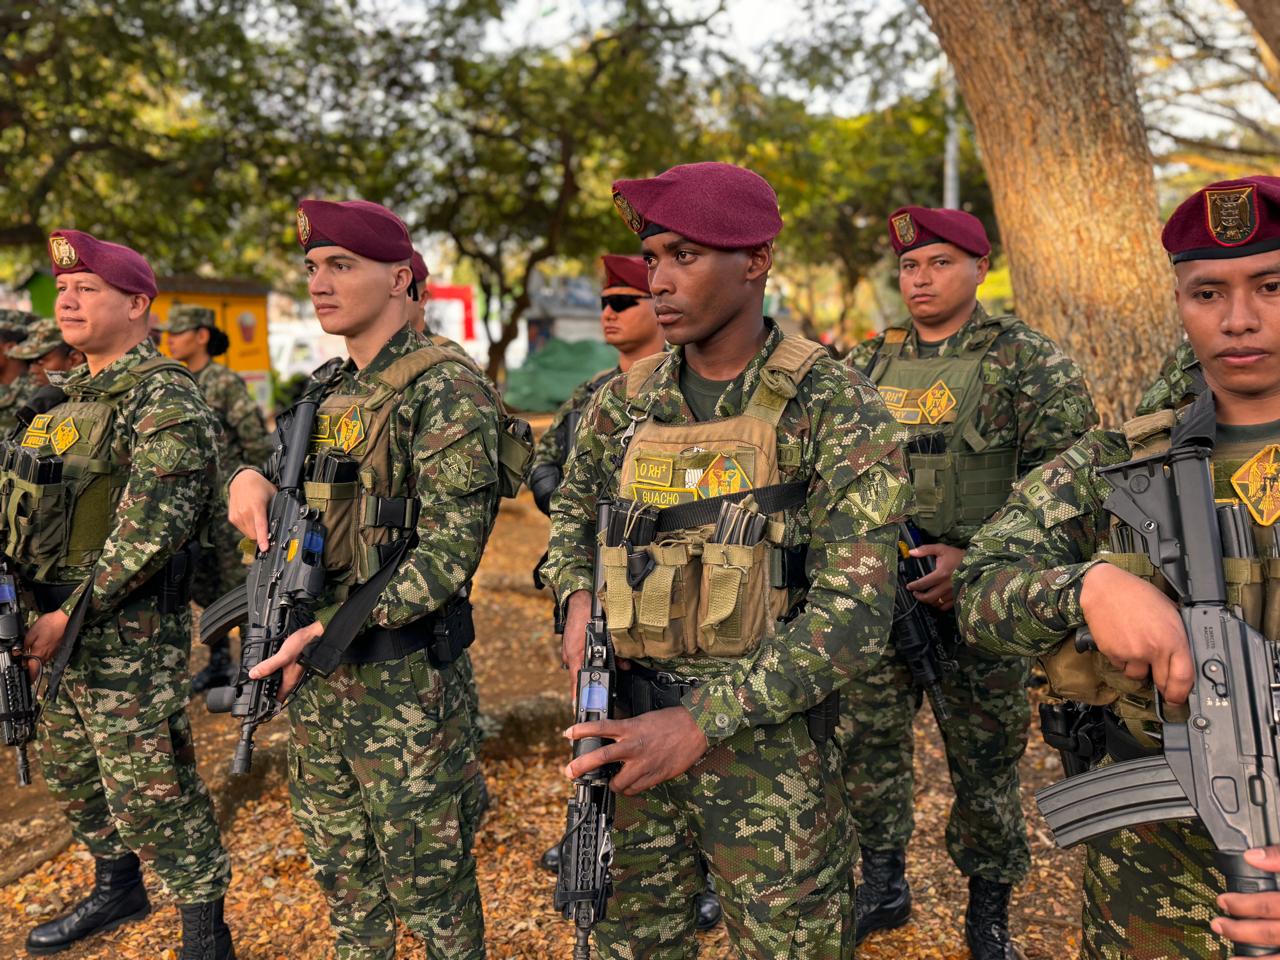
277,913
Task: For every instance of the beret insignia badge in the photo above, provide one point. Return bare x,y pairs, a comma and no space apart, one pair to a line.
304,228
62,252
634,221
904,228
1232,215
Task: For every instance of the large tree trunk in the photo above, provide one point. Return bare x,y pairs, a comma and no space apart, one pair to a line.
1264,17
1049,88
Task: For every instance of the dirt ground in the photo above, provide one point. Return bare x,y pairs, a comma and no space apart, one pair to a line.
277,912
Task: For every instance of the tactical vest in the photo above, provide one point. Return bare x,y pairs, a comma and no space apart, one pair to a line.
700,597
959,479
64,522
1252,585
365,508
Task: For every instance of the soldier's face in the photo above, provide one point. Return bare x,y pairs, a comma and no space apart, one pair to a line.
630,328
1231,312
697,289
184,346
97,318
939,280
350,292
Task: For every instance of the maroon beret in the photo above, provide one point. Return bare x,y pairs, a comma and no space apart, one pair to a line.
367,229
620,271
419,268
73,251
716,204
911,227
1228,219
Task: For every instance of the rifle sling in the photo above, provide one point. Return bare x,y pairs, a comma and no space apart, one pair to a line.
324,654
771,499
68,645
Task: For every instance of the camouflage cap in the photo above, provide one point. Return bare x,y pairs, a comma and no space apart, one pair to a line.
188,316
42,337
17,322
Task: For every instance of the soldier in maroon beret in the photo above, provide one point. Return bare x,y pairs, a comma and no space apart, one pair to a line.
730,699
386,781
1035,574
984,399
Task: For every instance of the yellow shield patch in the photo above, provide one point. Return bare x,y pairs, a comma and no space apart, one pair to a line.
937,402
349,431
1258,484
64,436
723,475
904,228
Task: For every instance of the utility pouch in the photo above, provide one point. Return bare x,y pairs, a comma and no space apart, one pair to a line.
453,631
1269,544
824,719
334,491
36,512
515,448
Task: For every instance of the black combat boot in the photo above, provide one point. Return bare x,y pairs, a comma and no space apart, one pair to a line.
219,673
204,935
884,897
706,903
986,922
118,898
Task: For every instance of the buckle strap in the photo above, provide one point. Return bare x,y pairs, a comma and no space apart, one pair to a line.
398,512
771,499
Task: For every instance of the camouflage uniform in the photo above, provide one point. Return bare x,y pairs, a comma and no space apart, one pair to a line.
764,805
553,446
382,758
1034,399
117,749
1149,891
1178,379
242,441
13,397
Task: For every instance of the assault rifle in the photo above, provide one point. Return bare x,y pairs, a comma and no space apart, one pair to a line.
583,881
282,583
18,711
1221,763
918,631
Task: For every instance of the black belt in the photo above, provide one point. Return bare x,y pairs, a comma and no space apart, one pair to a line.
643,690
380,644
50,596
1123,745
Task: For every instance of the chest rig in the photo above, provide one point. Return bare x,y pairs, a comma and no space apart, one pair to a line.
1246,480
707,590
61,482
959,478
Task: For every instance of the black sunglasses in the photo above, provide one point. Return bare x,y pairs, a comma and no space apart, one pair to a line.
617,302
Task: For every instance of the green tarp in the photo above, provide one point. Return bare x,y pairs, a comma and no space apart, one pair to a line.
547,377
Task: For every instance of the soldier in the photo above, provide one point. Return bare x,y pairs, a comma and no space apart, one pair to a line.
985,399
16,382
194,340
49,357
131,448
1033,575
416,303
382,758
728,752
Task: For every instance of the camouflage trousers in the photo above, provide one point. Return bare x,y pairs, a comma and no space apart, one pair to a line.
383,785
985,738
220,567
766,809
1149,894
118,756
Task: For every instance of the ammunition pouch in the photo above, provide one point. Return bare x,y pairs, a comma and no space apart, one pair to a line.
515,447
959,488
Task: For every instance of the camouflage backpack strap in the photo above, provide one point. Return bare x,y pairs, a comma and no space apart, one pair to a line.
641,371
1150,433
894,338
394,380
145,369
781,377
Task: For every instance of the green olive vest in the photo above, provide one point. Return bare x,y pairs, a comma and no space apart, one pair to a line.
1242,473
959,479
52,525
703,598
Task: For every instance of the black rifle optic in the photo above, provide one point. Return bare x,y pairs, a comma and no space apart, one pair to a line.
1220,764
583,881
282,584
17,693
918,632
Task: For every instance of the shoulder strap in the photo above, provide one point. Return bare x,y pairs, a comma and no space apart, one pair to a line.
893,337
405,370
146,369
781,377
1150,433
641,371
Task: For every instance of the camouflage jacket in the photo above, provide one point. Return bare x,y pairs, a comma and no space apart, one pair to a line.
12,398
444,441
167,436
849,449
244,437
553,446
1034,396
1178,380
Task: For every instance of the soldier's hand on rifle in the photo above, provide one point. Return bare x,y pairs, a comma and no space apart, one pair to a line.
652,748
574,639
44,638
1254,917
936,588
1138,628
286,658
249,498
